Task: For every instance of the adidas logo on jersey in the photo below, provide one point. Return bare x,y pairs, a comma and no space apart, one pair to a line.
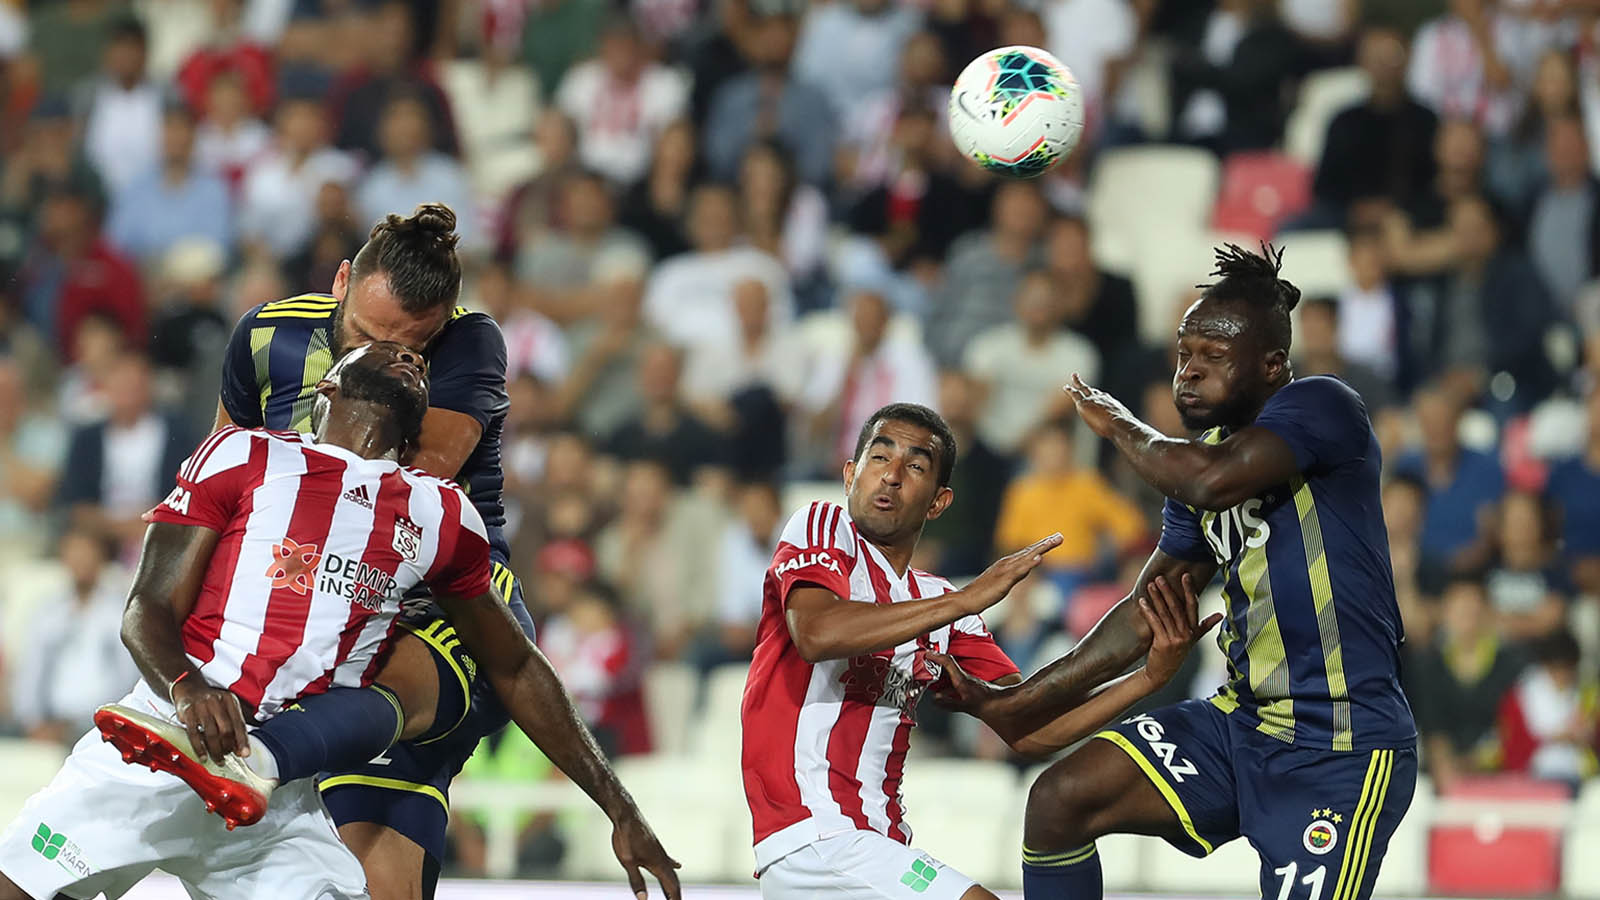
359,495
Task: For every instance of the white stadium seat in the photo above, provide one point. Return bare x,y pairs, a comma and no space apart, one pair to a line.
1318,262
955,806
1231,870
670,691
29,766
1405,866
1322,95
715,735
25,586
1143,190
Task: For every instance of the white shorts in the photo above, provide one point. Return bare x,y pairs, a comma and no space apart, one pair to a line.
861,865
101,825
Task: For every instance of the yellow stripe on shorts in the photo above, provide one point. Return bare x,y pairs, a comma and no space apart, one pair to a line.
1173,800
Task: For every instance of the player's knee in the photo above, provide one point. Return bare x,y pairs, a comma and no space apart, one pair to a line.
388,883
410,673
9,891
1059,803
978,892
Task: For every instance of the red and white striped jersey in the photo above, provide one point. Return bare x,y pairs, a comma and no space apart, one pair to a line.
825,743
317,547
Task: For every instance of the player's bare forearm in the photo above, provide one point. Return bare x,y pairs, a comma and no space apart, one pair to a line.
537,701
1103,704
172,565
448,438
1207,476
824,626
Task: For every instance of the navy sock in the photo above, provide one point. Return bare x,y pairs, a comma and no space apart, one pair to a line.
1069,875
332,731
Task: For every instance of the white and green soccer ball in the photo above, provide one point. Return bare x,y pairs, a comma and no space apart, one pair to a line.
1016,111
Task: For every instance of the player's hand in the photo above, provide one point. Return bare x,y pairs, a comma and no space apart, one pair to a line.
1174,625
956,690
637,848
213,717
1098,409
996,581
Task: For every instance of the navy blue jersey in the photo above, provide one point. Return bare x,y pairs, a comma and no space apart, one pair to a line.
1313,632
280,350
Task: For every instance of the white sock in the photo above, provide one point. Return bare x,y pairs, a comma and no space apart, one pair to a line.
261,761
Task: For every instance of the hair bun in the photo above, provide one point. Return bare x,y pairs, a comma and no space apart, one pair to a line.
434,218
1289,293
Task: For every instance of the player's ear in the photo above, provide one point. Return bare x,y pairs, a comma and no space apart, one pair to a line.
849,474
326,388
941,502
1277,362
341,281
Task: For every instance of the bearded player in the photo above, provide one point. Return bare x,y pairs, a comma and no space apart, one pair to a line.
265,580
1309,749
402,286
850,638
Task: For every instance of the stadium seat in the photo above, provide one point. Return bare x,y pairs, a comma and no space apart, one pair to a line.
1405,865
689,798
495,121
670,691
1487,857
1318,262
715,735
1232,870
26,585
29,766
1260,191
1580,864
1148,190
986,794
1164,275
797,494
1322,95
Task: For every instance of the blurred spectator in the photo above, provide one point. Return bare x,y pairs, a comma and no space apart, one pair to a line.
231,136
872,146
557,34
1381,147
32,444
100,343
787,220
1564,227
917,211
1524,582
557,270
654,207
621,101
1102,524
1458,685
1517,165
596,657
189,333
1368,309
850,382
122,466
410,173
1549,722
1317,352
1095,303
66,39
1405,501
965,543
276,210
1458,69
1096,40
602,390
1323,29
362,100
535,345
334,239
1022,365
656,553
745,391
770,102
122,129
1574,487
1418,241
690,296
74,660
229,53
71,273
47,158
984,270
666,431
1462,484
746,551
1218,96
530,209
21,344
850,49
176,199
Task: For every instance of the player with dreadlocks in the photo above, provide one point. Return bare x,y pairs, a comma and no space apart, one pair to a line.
1309,749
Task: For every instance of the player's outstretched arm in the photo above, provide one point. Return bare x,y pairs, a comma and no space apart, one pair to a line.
1174,626
172,566
1115,643
539,704
1207,476
824,625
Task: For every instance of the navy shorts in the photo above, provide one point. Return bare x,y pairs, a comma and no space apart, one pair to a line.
1320,819
408,787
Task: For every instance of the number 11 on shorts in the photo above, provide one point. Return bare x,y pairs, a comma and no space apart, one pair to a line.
1314,879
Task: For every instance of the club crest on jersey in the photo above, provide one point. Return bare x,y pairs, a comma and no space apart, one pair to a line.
1322,835
293,565
407,538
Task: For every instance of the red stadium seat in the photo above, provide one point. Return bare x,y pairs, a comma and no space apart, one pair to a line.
1487,860
1259,192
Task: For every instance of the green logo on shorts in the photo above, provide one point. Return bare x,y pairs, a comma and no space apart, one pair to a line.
48,843
921,875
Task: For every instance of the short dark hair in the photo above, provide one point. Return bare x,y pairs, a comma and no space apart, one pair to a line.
129,27
418,253
1253,279
922,417
1558,648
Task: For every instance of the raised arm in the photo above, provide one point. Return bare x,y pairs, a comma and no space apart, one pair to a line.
539,704
824,625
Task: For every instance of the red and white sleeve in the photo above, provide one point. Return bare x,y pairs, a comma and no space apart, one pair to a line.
975,648
818,547
461,567
212,481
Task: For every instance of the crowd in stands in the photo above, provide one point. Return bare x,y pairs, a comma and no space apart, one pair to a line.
718,233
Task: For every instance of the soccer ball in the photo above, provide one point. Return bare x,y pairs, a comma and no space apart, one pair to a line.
1016,111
